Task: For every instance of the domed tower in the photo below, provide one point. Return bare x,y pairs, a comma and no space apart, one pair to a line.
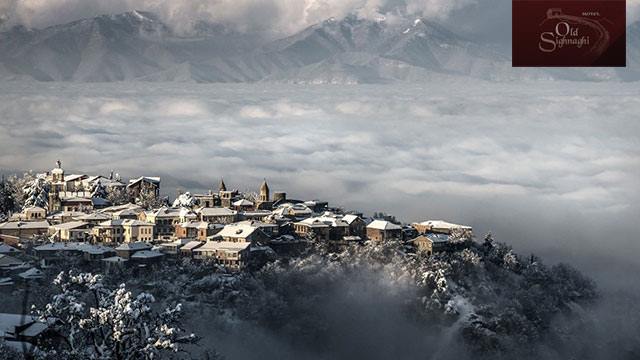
264,191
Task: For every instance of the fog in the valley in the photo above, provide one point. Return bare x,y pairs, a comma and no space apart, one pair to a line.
551,168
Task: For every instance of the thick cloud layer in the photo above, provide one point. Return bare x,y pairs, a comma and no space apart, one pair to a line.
551,168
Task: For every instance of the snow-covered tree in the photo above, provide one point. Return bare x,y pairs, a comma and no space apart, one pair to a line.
96,322
118,196
148,199
98,190
185,200
8,202
17,184
36,193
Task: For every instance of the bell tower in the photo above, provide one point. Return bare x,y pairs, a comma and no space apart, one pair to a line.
57,174
57,186
264,191
263,200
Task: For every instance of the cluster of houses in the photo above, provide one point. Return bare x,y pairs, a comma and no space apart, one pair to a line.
225,227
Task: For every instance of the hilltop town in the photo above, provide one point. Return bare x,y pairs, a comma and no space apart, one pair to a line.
111,223
262,257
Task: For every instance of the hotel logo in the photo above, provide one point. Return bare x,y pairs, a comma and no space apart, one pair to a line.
569,33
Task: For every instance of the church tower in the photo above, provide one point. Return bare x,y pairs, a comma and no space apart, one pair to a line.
57,174
263,200
264,191
57,186
225,196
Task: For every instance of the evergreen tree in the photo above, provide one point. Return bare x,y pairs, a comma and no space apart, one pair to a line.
37,193
148,200
118,196
8,203
98,190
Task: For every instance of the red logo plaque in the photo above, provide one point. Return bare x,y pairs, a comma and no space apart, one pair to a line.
569,33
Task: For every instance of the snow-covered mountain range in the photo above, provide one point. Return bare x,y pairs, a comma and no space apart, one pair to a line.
139,46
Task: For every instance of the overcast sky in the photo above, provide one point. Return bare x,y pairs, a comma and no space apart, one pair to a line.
486,19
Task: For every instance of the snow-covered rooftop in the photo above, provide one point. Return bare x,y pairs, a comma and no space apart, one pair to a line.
223,245
147,254
15,225
131,222
383,225
9,261
115,222
167,212
6,249
216,211
237,230
444,225
243,202
350,218
192,245
74,177
9,323
150,179
134,246
78,199
115,259
122,207
32,273
70,225
93,217
438,238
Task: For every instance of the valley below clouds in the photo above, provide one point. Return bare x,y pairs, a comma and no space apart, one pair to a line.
549,167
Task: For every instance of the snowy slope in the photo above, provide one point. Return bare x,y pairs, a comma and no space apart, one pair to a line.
110,48
138,46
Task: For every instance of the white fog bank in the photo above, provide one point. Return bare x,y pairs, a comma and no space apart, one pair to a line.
549,167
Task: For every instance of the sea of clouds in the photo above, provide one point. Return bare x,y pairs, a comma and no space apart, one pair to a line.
551,168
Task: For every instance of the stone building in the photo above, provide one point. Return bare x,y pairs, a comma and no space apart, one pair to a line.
431,243
217,215
70,231
144,184
382,230
263,202
231,255
443,227
136,230
32,213
357,226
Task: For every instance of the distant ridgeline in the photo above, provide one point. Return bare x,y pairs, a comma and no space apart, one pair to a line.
138,46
